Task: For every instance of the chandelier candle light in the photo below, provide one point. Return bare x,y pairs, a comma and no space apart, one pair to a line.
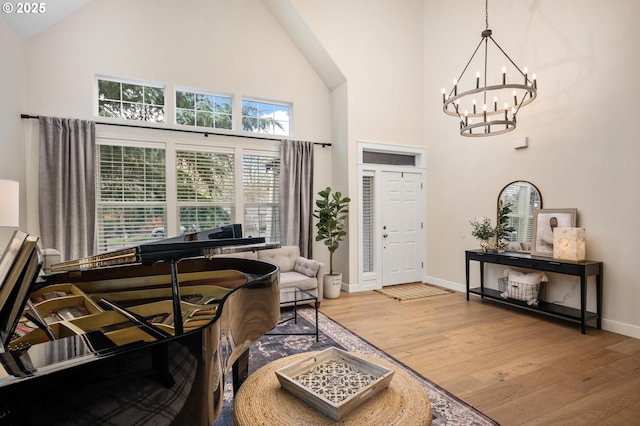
500,100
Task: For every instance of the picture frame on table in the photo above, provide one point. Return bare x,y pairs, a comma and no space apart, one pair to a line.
544,222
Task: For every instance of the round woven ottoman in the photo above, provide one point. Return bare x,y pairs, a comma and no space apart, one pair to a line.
261,401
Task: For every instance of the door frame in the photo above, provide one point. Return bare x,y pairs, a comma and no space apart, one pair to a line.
372,280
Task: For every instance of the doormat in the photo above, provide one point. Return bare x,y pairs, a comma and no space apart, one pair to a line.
413,291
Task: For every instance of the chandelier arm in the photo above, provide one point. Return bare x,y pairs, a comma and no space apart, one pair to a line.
467,66
505,54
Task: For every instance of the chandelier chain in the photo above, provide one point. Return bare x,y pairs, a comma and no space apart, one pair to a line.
486,14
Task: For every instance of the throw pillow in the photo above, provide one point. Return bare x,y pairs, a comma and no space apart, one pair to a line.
523,286
306,266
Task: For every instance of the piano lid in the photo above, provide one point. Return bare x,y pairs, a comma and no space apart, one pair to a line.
19,267
203,243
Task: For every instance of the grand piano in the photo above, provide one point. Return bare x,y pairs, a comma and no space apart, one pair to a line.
144,335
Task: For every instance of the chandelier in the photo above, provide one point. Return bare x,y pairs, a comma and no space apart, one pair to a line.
489,108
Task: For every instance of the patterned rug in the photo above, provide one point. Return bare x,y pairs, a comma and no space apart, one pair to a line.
412,291
447,409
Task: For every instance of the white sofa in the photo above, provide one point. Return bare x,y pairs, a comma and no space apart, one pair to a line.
295,270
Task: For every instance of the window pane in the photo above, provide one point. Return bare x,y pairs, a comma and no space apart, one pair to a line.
205,103
266,110
197,218
249,108
109,109
109,90
223,104
204,119
185,116
153,96
126,226
132,92
185,100
223,121
249,124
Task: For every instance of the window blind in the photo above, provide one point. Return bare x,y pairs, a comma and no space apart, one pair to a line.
131,195
261,180
367,224
205,189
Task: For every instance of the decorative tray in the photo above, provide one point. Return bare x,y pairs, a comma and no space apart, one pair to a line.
334,381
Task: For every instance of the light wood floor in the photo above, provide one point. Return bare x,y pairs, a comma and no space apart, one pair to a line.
516,367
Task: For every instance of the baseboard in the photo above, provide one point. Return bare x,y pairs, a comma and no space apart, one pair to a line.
621,328
608,325
447,284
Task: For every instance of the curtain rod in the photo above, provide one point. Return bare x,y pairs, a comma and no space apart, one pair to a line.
204,133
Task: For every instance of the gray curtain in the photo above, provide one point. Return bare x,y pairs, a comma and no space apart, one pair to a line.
67,186
296,195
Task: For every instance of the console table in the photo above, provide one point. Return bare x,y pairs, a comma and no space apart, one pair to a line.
582,269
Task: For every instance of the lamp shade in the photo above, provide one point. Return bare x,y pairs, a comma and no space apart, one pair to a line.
9,203
569,243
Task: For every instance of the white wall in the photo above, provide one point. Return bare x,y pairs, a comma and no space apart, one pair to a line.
12,102
378,47
583,149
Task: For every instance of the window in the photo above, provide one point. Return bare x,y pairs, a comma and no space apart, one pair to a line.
261,181
265,117
368,209
205,186
214,186
131,195
204,110
131,101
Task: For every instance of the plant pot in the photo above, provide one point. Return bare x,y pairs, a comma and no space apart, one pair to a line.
331,286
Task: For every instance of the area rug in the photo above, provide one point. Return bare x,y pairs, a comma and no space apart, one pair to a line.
412,291
447,409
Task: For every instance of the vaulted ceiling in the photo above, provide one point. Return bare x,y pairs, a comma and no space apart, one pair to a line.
29,24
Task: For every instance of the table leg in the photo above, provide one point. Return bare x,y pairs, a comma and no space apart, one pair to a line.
599,298
583,303
467,271
317,331
481,279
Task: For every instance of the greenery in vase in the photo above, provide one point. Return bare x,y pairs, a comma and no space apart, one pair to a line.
482,229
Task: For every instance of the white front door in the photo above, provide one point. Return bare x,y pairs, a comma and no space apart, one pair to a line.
402,227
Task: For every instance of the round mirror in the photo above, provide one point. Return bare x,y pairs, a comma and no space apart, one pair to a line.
523,198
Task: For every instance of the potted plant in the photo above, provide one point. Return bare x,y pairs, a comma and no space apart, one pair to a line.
483,231
331,211
503,229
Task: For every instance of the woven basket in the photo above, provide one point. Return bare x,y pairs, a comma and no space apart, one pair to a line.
521,291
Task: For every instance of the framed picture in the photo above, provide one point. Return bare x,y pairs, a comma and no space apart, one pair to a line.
544,222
